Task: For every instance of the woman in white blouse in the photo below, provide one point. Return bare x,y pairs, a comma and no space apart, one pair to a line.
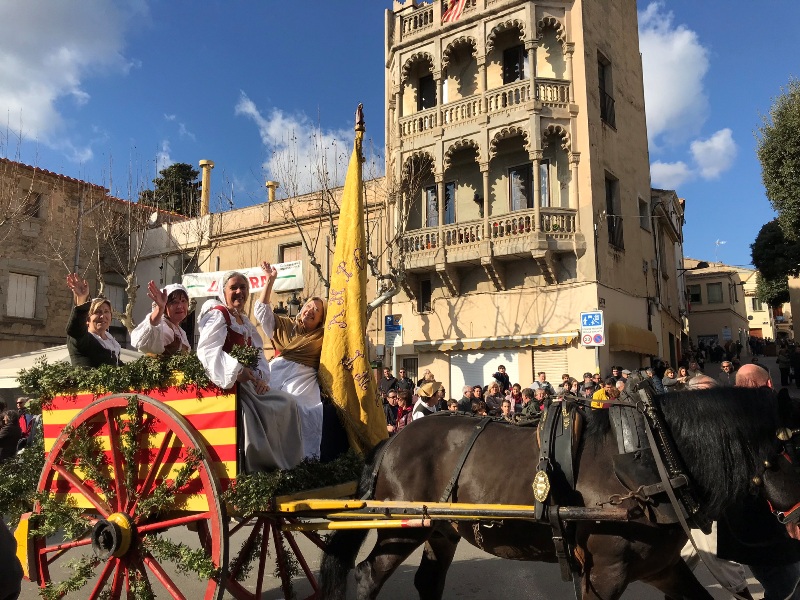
160,332
271,422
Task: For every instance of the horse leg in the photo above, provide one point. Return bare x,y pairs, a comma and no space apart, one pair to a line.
679,583
605,583
391,549
436,559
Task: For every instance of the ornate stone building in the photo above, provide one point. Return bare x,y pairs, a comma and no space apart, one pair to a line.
519,134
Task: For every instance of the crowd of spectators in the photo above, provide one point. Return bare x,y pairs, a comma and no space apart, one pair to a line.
502,398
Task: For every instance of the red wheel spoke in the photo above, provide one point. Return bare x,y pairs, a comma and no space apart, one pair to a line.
151,474
239,525
162,576
236,567
98,587
116,460
157,526
312,536
119,578
262,559
280,555
75,482
66,546
301,559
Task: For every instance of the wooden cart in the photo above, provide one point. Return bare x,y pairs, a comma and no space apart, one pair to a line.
141,478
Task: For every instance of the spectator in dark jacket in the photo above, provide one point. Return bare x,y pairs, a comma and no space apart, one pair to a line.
657,385
10,434
387,382
502,378
10,568
390,410
404,382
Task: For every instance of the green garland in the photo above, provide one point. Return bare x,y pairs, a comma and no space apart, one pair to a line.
46,381
253,493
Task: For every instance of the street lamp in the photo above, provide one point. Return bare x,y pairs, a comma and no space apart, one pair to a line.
293,305
701,265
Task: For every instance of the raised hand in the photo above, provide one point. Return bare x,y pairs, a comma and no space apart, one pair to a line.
156,295
272,275
79,288
272,272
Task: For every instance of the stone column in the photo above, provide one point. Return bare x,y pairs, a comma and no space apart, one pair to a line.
536,157
439,177
437,77
482,82
485,173
569,50
398,111
574,199
530,47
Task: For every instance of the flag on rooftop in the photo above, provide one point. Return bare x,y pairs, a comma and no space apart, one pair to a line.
454,10
345,373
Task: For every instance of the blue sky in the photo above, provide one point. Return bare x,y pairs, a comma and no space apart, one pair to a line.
112,91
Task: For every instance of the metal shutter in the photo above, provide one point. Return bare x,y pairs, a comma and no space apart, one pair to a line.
554,363
477,366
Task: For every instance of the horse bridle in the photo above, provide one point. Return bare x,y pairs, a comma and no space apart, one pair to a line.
791,454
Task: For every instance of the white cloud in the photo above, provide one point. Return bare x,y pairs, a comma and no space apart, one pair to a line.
714,155
170,117
668,176
163,158
48,48
185,133
301,153
674,63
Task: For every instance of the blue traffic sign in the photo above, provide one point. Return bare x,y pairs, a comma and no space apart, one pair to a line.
592,319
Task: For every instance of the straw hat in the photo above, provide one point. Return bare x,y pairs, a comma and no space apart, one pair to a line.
429,388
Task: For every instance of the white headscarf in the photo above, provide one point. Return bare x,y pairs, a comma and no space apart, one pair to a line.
209,304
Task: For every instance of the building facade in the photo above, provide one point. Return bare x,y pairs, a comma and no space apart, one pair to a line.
40,243
717,303
518,133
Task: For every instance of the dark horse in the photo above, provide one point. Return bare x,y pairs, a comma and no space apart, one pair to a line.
724,436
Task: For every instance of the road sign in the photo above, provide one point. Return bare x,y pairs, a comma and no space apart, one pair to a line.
593,328
392,323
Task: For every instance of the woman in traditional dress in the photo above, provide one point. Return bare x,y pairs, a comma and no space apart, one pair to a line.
298,346
160,332
271,422
88,342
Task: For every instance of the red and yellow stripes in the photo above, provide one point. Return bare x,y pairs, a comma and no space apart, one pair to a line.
211,415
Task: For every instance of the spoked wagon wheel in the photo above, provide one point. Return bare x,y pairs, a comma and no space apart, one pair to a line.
124,482
268,552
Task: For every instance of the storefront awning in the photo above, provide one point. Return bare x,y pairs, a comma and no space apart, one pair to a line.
627,338
505,341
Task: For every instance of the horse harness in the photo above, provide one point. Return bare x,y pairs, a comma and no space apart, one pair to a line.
558,434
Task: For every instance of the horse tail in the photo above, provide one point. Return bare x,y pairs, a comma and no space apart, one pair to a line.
343,545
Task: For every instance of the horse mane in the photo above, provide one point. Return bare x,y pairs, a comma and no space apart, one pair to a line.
723,435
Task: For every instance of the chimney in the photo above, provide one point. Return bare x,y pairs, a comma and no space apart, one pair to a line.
271,187
205,190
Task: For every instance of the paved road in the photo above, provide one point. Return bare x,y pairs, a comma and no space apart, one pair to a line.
474,574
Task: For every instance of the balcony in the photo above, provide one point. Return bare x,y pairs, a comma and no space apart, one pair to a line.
550,92
511,236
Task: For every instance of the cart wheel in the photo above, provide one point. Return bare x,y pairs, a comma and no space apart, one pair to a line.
266,551
151,489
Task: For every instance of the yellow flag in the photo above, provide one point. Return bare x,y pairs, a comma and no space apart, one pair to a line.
344,371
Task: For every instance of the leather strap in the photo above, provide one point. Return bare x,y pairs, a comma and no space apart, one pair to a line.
665,480
448,490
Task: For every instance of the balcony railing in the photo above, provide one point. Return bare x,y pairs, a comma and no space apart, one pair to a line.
507,96
557,223
551,92
422,18
420,122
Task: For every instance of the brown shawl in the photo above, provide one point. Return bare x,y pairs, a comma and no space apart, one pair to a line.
294,343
